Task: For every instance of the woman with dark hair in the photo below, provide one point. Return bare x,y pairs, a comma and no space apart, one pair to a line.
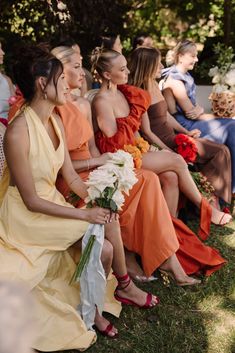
213,159
39,230
179,82
111,42
142,40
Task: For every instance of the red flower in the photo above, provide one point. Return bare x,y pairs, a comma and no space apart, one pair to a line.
186,147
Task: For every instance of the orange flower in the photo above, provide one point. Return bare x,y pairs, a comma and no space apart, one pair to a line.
136,154
142,144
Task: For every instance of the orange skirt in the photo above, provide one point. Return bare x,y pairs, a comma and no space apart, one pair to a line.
148,229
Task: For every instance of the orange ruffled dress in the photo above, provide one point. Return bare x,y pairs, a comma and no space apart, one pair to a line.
194,256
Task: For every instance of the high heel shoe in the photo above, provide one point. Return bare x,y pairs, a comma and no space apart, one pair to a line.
168,274
123,283
106,331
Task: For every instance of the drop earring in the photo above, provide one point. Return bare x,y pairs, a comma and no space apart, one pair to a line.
45,95
109,84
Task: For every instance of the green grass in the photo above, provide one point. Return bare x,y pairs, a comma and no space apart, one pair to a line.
188,320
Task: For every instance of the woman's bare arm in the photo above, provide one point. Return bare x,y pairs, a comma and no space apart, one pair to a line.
16,148
180,94
179,128
97,159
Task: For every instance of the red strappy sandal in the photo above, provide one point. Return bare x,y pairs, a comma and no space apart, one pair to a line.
106,332
123,282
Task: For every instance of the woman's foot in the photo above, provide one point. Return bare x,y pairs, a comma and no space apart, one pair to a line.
173,269
105,327
181,281
127,293
220,218
134,270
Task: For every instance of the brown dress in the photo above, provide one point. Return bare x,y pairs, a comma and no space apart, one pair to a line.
213,159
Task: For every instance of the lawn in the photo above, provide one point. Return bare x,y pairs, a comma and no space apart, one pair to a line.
188,320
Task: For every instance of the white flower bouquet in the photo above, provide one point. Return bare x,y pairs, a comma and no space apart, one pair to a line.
223,77
106,186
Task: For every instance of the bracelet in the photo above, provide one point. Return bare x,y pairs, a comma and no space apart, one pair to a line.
74,180
88,164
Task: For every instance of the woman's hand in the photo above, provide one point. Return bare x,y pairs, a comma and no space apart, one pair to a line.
98,215
104,158
194,133
195,112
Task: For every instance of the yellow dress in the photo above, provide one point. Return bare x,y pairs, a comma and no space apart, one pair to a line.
34,248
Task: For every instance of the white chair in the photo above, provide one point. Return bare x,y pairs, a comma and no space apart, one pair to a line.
89,95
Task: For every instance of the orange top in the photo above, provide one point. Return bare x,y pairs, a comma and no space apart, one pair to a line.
77,131
139,101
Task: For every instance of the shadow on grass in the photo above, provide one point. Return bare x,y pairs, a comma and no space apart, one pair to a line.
181,322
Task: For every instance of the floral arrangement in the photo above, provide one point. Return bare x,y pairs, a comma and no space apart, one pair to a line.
106,186
186,147
140,146
223,77
204,186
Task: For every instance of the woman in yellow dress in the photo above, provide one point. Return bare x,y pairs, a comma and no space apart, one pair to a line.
39,230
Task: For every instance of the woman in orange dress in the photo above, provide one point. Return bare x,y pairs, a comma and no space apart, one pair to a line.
145,221
121,111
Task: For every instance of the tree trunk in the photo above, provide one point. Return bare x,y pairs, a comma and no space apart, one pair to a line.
227,21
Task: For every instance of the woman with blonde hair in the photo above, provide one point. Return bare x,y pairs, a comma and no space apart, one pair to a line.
179,82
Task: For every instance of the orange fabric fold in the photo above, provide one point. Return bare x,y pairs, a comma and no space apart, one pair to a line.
194,256
205,219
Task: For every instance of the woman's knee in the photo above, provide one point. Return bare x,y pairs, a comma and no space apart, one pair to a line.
107,252
178,162
168,179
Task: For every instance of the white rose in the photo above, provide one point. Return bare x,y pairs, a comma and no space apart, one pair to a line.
93,193
229,78
119,199
217,78
101,179
219,88
213,71
232,89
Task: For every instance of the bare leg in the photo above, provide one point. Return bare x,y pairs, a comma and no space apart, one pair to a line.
133,268
173,266
113,234
162,161
106,259
170,189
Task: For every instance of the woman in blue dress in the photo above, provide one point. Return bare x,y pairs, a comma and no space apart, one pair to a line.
179,87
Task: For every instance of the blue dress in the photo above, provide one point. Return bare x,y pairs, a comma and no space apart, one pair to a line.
220,130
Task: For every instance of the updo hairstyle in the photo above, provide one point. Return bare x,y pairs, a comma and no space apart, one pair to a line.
33,62
101,60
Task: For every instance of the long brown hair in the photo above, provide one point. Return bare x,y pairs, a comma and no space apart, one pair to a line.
143,63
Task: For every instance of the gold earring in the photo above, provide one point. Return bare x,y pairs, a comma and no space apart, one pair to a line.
45,95
109,84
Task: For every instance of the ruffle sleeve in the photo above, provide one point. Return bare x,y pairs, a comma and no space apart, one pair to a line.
139,101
